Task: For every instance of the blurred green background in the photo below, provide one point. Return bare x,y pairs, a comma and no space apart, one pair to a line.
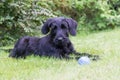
25,17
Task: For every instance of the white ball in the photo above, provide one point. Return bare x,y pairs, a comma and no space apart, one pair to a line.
84,60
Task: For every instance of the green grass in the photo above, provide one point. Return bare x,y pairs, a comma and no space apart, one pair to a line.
106,44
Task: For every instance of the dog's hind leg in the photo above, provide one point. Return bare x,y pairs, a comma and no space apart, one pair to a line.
20,48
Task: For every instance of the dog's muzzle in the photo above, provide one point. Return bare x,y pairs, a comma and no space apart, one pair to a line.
60,40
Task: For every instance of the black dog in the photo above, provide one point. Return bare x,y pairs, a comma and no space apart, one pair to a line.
55,44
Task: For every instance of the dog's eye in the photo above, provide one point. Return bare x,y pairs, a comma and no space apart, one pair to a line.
54,27
63,27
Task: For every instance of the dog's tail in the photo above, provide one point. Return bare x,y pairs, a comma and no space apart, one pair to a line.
20,48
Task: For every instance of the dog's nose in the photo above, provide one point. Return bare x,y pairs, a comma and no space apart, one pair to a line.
60,38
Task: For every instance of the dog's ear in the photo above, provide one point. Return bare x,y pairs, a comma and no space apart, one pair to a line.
72,25
46,26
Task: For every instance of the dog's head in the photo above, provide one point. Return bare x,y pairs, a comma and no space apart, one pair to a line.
60,28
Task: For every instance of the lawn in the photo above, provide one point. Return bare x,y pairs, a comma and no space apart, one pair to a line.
106,44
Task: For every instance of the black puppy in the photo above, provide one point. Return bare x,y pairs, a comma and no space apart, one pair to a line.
55,44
